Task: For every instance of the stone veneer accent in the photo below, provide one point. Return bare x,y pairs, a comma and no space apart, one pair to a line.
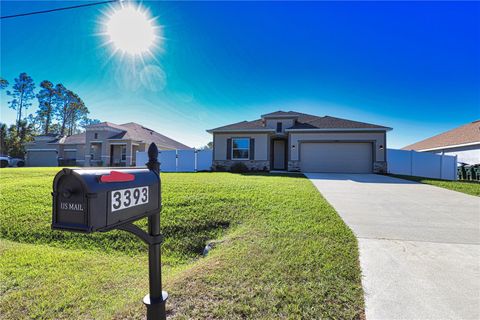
253,165
380,167
294,165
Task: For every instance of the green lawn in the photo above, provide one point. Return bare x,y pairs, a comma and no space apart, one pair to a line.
468,187
283,252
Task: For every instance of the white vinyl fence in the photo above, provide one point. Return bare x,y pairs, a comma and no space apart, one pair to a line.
180,160
422,164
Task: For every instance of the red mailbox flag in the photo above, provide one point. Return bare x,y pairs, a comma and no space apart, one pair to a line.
117,176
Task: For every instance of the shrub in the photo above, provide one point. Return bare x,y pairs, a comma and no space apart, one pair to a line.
239,167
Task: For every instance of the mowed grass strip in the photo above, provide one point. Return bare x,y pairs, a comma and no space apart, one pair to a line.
468,187
283,252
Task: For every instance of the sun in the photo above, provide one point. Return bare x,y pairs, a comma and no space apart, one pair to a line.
130,30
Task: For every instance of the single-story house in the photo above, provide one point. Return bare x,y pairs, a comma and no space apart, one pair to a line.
463,142
102,144
297,141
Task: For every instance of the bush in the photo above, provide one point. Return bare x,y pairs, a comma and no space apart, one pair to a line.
239,167
219,168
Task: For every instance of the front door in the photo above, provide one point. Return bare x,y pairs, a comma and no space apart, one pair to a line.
279,155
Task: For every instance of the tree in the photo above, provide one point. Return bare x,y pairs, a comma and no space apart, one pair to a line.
21,95
208,146
78,112
17,138
3,139
46,110
86,122
36,124
3,83
62,101
71,111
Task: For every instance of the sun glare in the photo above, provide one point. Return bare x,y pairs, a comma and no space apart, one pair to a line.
130,30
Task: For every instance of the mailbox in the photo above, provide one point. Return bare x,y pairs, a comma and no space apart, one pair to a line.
89,200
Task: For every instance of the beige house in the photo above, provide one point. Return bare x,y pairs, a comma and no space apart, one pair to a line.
296,141
103,144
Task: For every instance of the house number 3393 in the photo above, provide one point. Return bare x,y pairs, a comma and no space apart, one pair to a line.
127,198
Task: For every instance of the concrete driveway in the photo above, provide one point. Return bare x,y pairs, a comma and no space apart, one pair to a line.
419,245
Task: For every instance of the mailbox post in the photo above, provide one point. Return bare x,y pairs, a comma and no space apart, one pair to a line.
91,200
155,301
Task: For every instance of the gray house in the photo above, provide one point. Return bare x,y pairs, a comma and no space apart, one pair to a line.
103,144
297,141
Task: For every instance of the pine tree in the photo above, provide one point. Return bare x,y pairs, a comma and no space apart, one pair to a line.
62,100
3,83
46,110
22,95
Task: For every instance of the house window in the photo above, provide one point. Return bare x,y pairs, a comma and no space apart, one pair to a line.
279,127
124,153
95,136
240,149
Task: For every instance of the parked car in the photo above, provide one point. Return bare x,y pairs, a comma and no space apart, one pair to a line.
7,161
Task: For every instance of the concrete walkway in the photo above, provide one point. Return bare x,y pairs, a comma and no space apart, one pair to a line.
419,245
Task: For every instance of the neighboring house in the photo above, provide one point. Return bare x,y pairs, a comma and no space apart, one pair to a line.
463,142
102,144
296,141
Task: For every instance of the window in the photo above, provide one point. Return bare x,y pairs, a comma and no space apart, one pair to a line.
95,136
241,149
279,127
124,153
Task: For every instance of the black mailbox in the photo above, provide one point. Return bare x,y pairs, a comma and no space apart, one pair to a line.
89,200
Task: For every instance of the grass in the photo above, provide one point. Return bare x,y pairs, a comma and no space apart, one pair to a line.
282,252
468,187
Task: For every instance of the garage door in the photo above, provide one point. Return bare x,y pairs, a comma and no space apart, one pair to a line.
336,157
42,158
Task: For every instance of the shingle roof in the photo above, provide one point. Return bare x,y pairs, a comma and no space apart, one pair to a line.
244,125
327,122
75,139
281,113
303,121
135,131
468,133
128,131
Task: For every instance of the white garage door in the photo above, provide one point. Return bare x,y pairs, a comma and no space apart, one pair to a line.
355,157
43,158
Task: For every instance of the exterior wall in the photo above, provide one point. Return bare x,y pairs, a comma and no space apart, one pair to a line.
466,154
262,149
262,144
80,154
377,138
103,133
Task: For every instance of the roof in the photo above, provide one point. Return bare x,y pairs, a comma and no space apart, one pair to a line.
106,124
137,132
75,139
128,131
466,134
303,121
281,114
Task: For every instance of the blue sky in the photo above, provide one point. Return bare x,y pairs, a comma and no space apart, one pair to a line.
411,66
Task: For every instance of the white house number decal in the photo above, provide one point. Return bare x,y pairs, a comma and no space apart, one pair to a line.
127,198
